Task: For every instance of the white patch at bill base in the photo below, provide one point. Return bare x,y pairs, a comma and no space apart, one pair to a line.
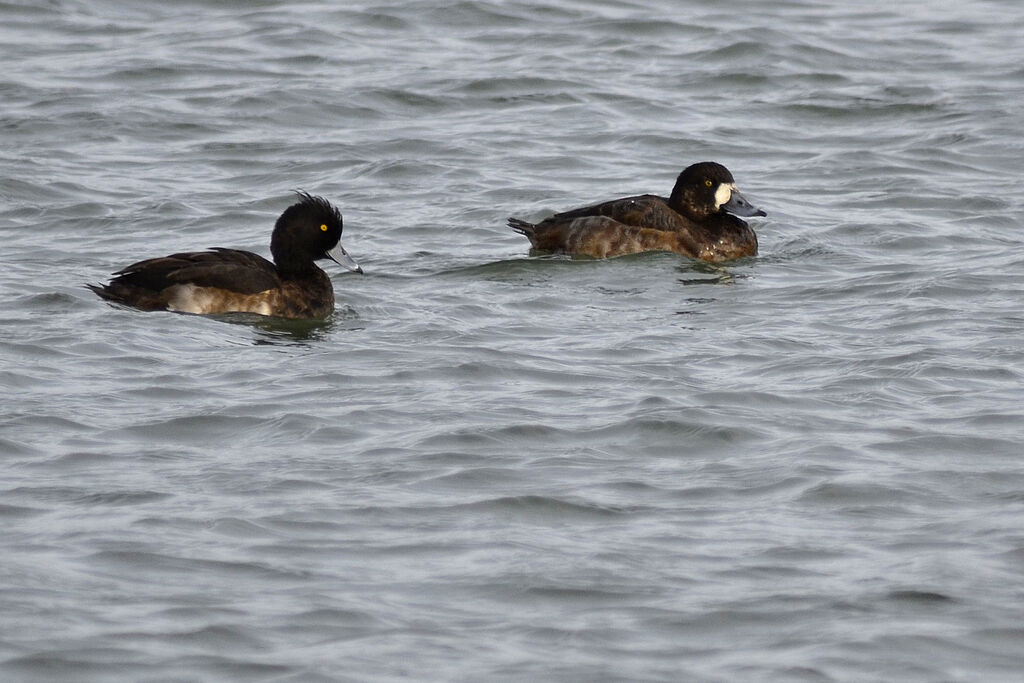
724,193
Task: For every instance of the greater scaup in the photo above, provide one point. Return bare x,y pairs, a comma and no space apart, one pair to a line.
232,281
698,220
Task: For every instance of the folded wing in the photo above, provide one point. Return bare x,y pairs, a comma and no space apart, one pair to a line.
237,271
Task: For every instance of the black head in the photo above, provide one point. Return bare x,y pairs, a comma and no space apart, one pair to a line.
307,231
708,188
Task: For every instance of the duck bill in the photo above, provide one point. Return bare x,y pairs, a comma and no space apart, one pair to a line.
341,257
739,206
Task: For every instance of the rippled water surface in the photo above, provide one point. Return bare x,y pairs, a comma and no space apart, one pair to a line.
490,466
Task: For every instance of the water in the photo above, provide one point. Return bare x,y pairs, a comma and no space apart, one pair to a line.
485,466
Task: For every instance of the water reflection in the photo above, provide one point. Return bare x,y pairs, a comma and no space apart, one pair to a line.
717,274
287,331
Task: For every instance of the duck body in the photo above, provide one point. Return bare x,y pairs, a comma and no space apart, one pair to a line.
219,281
697,220
234,281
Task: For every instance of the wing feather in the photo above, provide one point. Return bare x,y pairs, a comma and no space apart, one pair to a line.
231,269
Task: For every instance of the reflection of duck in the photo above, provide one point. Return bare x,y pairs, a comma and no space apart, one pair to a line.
698,220
229,280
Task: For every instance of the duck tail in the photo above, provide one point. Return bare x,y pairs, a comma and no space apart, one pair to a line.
103,291
524,228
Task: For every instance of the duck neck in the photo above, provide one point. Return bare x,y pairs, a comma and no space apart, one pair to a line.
290,262
293,267
297,269
685,201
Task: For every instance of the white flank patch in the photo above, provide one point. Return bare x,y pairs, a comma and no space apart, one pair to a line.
188,299
723,194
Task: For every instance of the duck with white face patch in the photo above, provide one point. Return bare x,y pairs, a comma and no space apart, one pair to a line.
729,199
699,219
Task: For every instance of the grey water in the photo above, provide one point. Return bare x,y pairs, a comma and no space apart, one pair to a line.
487,465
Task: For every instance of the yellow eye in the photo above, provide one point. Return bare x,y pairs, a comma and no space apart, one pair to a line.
324,227
708,183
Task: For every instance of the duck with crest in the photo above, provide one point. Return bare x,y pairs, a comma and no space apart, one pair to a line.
233,281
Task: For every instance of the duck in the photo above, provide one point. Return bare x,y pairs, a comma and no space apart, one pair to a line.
699,219
222,280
